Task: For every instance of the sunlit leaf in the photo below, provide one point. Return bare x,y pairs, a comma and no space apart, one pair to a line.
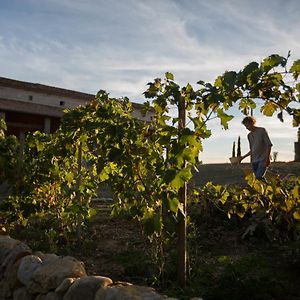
296,215
224,118
295,69
70,177
272,61
169,76
268,108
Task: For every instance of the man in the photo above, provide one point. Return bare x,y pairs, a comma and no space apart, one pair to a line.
260,147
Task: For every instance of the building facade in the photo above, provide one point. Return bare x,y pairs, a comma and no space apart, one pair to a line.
29,106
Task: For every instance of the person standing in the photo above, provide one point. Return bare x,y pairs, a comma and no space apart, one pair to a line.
260,147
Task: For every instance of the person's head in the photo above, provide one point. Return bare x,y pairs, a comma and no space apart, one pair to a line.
249,122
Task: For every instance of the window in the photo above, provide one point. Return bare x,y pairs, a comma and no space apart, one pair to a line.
61,103
30,97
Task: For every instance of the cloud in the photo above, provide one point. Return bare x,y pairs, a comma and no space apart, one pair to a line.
119,46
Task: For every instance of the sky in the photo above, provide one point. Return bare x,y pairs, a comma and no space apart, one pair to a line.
121,45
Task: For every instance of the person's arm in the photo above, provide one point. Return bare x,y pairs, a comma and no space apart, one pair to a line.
268,161
244,156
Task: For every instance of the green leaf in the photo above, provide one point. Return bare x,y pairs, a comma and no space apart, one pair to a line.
224,118
152,224
253,78
219,81
296,215
176,178
40,145
229,79
69,177
295,69
172,204
250,68
103,175
272,61
169,76
268,108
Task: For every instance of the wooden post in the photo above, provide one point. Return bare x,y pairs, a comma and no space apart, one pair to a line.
20,161
182,194
78,183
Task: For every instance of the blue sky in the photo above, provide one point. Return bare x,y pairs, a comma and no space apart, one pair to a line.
120,46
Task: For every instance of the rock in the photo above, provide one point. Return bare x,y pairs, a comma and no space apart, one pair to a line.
5,290
49,258
49,296
64,286
6,242
53,296
40,254
51,274
123,283
10,251
11,277
86,287
22,294
27,267
46,257
133,292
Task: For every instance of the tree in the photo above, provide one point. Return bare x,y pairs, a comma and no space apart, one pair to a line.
233,150
239,152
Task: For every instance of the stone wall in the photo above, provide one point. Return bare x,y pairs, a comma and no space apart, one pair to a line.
28,275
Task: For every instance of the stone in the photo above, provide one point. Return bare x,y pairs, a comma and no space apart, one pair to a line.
64,286
11,276
53,296
5,291
22,294
133,292
49,258
49,296
40,254
51,274
122,283
27,267
86,287
6,242
10,251
46,257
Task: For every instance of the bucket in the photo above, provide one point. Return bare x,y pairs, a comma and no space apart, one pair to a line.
235,160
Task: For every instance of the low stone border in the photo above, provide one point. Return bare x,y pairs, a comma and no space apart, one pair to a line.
27,275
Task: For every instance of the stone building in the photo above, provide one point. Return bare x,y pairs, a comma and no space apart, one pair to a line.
27,106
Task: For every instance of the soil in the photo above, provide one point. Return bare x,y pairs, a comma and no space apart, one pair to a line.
113,243
110,245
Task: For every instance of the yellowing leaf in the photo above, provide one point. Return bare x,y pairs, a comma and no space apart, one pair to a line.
296,215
